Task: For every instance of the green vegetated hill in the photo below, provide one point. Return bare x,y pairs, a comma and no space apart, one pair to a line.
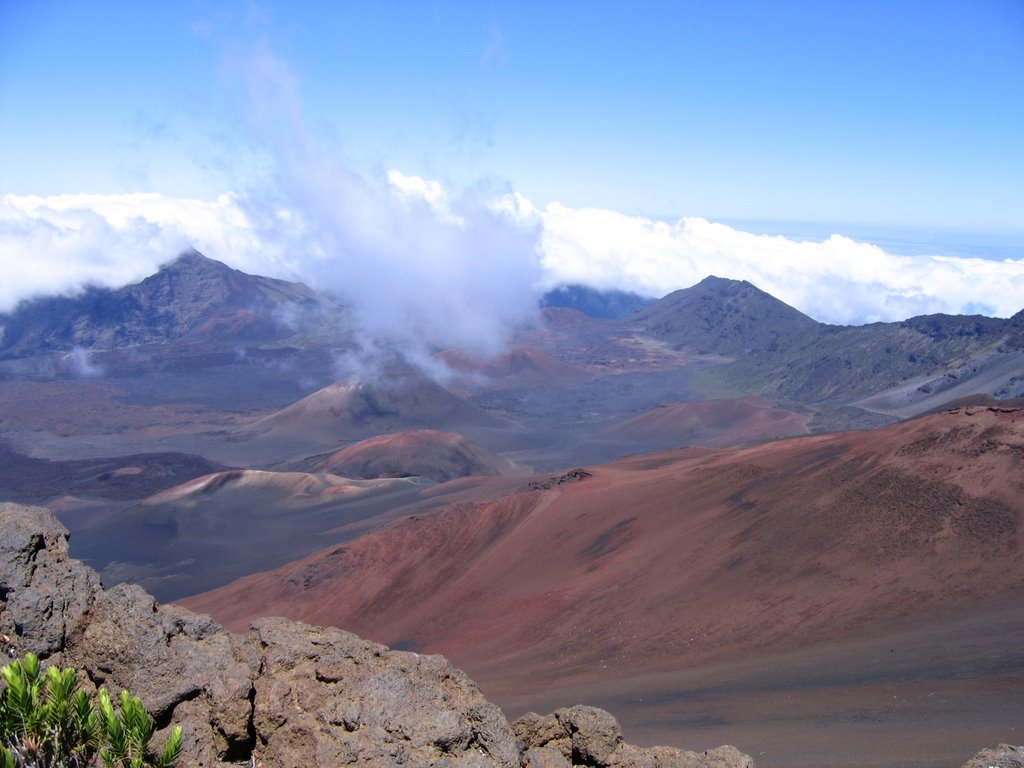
785,356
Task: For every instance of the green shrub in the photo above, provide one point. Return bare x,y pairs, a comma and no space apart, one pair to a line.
47,721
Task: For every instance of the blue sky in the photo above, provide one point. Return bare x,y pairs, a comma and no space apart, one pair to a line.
860,160
878,112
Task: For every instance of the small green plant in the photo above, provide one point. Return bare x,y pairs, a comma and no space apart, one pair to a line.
127,735
47,721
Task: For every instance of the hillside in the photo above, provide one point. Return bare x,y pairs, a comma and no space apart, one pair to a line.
190,297
728,317
217,527
805,551
285,694
352,409
428,453
711,423
847,514
928,359
28,479
900,368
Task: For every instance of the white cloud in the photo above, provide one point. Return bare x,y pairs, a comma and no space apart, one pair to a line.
416,189
57,244
837,280
462,273
80,362
422,268
414,186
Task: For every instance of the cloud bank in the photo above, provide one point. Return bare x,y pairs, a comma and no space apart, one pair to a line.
422,268
425,268
836,280
58,244
419,265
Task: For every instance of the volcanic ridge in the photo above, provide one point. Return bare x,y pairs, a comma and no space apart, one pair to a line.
796,537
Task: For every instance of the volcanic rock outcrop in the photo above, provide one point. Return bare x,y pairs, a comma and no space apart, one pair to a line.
286,693
1002,756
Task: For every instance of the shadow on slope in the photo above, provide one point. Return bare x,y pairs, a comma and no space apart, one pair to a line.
219,527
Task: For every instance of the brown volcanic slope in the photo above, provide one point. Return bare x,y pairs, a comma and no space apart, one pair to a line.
351,410
702,559
688,555
711,423
522,366
426,453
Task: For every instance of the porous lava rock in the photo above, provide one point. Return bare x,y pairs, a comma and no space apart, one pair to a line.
1002,756
285,693
42,589
327,697
588,736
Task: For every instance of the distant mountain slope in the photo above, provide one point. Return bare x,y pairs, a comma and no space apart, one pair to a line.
928,359
198,332
728,317
608,305
710,423
192,296
787,357
520,366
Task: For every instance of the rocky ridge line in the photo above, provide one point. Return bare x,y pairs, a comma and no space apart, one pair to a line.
285,693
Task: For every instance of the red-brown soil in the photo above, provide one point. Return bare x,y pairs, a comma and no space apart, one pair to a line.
351,410
518,367
711,423
673,582
426,453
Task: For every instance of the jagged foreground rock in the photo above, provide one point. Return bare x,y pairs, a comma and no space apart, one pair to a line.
285,694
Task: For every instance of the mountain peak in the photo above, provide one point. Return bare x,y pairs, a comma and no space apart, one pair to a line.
723,315
715,281
725,285
192,296
193,262
191,256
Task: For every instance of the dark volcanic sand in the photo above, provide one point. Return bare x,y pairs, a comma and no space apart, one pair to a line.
929,694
